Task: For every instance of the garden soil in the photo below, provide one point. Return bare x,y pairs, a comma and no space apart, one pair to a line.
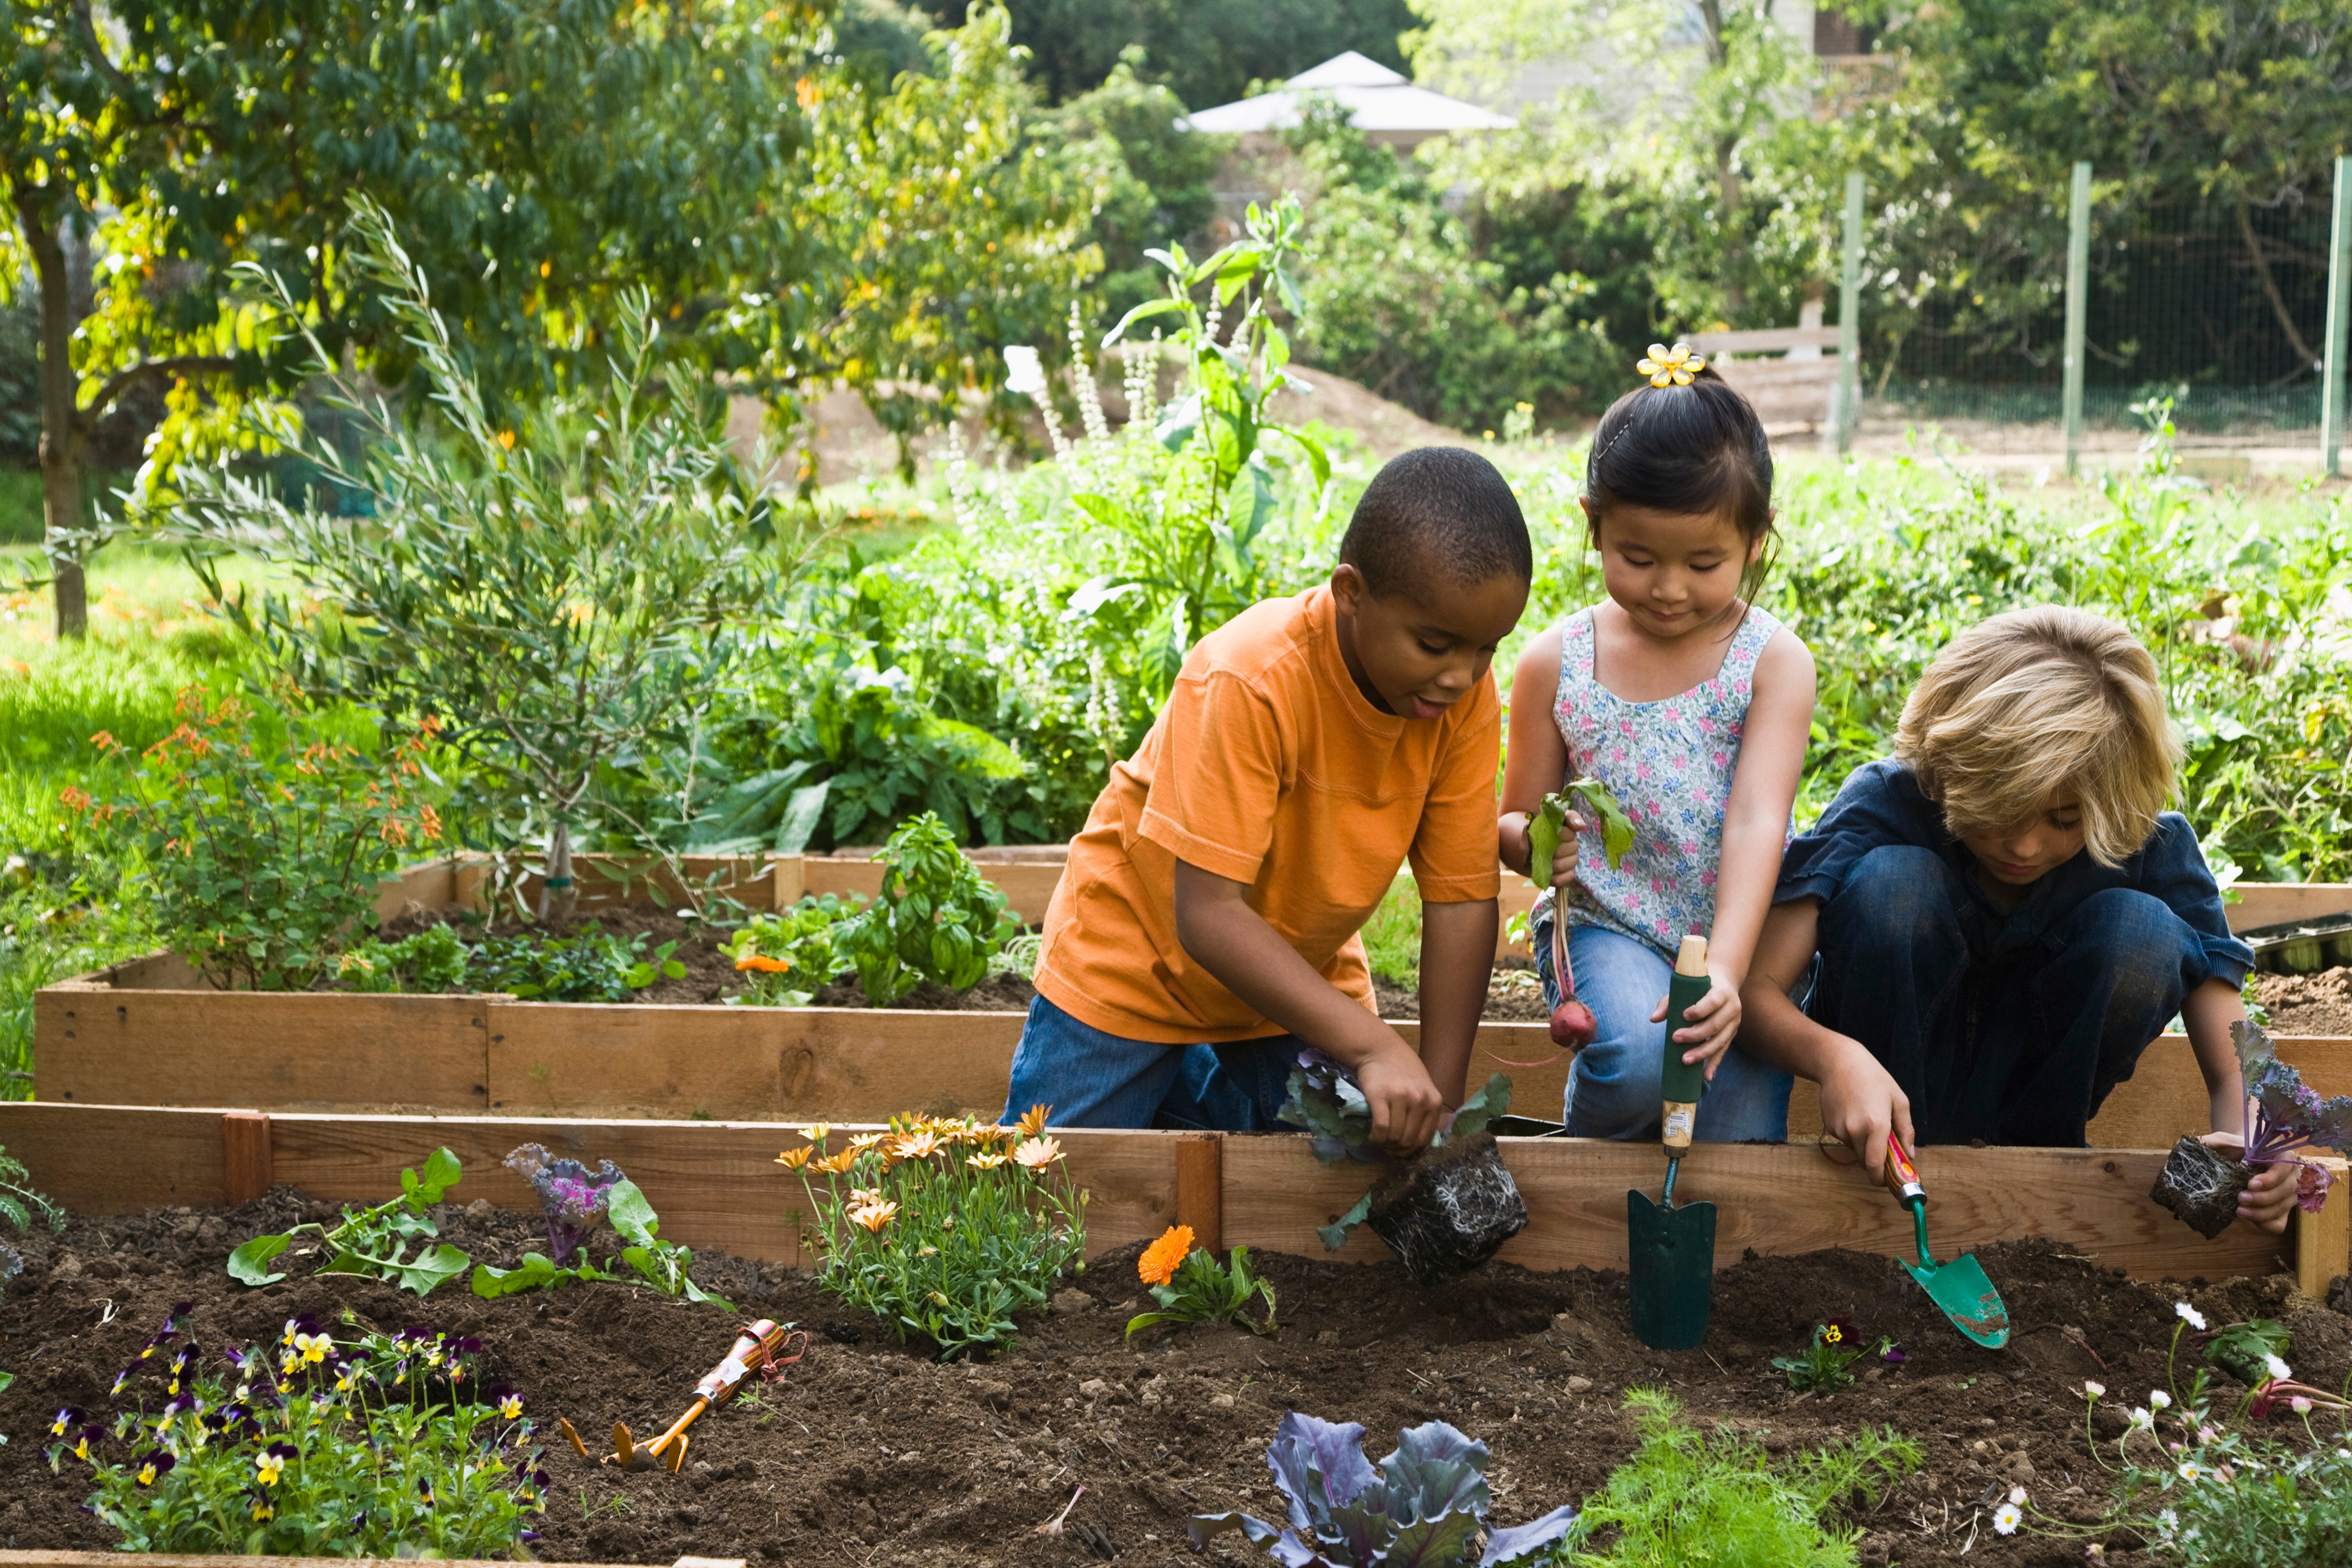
2317,1003
869,1452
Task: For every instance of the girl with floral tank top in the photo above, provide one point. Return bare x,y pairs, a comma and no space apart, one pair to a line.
1693,708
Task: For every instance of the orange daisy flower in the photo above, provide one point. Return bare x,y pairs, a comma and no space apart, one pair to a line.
1038,1152
1161,1261
793,1159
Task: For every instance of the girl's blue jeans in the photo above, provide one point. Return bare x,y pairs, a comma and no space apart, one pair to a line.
1612,1090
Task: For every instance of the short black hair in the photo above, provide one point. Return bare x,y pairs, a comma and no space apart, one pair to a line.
1694,450
1440,509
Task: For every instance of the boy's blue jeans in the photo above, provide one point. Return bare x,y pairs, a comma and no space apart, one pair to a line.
1612,1090
1093,1078
2004,1026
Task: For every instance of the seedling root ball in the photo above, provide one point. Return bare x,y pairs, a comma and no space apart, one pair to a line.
1448,1210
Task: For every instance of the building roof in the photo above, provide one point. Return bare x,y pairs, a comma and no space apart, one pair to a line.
1377,99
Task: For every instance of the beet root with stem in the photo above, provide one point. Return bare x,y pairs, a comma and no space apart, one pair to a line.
2201,1186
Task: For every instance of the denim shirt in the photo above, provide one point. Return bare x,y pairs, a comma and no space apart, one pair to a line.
1880,804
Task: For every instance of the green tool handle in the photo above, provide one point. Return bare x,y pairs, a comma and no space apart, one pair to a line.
1680,1084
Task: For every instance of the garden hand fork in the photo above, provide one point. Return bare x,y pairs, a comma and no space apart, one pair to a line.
758,1349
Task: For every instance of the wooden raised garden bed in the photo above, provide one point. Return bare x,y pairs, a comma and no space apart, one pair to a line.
717,1186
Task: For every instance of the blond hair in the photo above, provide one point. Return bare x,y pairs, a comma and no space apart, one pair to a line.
2037,701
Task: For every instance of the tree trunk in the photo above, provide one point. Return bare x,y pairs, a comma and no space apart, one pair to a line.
1735,245
61,435
557,897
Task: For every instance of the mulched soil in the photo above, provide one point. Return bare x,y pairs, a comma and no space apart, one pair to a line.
1513,996
869,1452
2317,1003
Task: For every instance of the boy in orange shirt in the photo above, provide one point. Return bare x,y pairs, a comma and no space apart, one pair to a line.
1207,926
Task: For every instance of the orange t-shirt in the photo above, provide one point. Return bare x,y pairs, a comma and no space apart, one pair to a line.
1267,766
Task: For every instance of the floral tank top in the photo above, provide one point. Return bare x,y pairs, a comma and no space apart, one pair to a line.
1669,763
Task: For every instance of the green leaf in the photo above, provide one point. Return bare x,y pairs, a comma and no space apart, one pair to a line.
800,817
1143,312
1470,1118
442,1172
629,1215
250,1262
1335,1235
536,1271
1616,828
433,1267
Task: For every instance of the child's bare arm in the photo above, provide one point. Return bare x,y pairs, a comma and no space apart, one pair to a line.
2208,1012
1536,761
1861,1102
1755,826
1232,941
1457,960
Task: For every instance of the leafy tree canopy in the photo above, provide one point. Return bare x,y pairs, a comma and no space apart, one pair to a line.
1207,52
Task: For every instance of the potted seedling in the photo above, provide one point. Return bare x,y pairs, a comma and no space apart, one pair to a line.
1447,1209
2201,1185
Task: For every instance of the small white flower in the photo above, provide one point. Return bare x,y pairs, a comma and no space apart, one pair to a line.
2277,1368
2140,1417
2188,1314
2093,1389
1024,375
2005,1518
2300,1406
2017,1495
2158,1399
2190,1470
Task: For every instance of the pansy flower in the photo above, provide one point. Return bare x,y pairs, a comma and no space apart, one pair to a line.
151,1467
65,1417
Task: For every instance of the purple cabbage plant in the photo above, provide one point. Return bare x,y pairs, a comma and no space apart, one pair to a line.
2284,1114
572,1196
1424,1508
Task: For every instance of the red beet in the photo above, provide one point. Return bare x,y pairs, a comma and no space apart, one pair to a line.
1573,1022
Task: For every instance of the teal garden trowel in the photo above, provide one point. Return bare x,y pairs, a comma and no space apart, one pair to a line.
1960,1286
1670,1251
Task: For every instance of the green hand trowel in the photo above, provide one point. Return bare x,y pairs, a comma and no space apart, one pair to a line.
1670,1251
1960,1286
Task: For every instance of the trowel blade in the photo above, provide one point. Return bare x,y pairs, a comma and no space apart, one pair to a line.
1670,1256
1967,1298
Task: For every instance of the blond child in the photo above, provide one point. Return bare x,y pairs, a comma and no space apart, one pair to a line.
2005,915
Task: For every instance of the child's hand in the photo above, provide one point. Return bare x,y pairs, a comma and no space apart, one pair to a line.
1405,1103
1563,859
1709,1022
2269,1198
1862,1103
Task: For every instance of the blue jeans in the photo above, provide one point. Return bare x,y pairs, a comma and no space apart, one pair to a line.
1999,1025
1093,1078
1612,1090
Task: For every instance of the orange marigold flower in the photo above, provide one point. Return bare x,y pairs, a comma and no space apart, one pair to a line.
1160,1260
793,1159
764,964
1035,1122
1038,1152
874,1217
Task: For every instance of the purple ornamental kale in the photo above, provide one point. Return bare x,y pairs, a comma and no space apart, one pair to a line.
2284,1114
571,1195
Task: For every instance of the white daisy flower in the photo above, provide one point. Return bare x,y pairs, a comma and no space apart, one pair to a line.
2017,1495
2005,1518
2158,1399
2140,1417
2093,1389
2277,1368
2191,1470
1024,374
2188,1314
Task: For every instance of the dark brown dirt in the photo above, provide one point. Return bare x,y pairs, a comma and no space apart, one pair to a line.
2317,1003
710,974
1513,996
872,1453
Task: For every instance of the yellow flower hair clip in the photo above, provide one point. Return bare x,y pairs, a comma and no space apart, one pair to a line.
1671,367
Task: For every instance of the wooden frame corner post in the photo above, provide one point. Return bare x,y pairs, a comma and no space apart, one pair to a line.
1201,1188
245,1165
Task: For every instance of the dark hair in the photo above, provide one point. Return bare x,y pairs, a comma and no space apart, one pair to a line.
1695,448
1440,509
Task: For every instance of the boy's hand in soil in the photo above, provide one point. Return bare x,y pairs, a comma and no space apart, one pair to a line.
1709,1022
2269,1198
1232,941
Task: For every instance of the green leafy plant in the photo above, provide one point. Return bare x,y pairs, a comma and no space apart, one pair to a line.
784,957
1827,1364
1325,1101
428,961
660,1263
20,1204
2245,1350
1550,821
366,1446
1192,1287
936,918
375,1241
943,1230
1424,1508
1687,1496
265,836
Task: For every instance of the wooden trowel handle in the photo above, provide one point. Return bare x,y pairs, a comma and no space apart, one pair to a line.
1902,1175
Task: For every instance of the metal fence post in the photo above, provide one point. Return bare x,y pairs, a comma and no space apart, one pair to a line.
2078,278
1848,411
2339,318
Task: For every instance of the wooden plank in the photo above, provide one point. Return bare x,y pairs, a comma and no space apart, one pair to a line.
2274,903
1200,1188
244,1155
2323,1241
715,1184
431,887
116,1159
1765,340
2164,1098
273,1051
1539,1089
746,1063
1775,1198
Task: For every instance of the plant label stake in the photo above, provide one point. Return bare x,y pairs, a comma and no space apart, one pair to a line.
758,1349
1670,1251
1960,1286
